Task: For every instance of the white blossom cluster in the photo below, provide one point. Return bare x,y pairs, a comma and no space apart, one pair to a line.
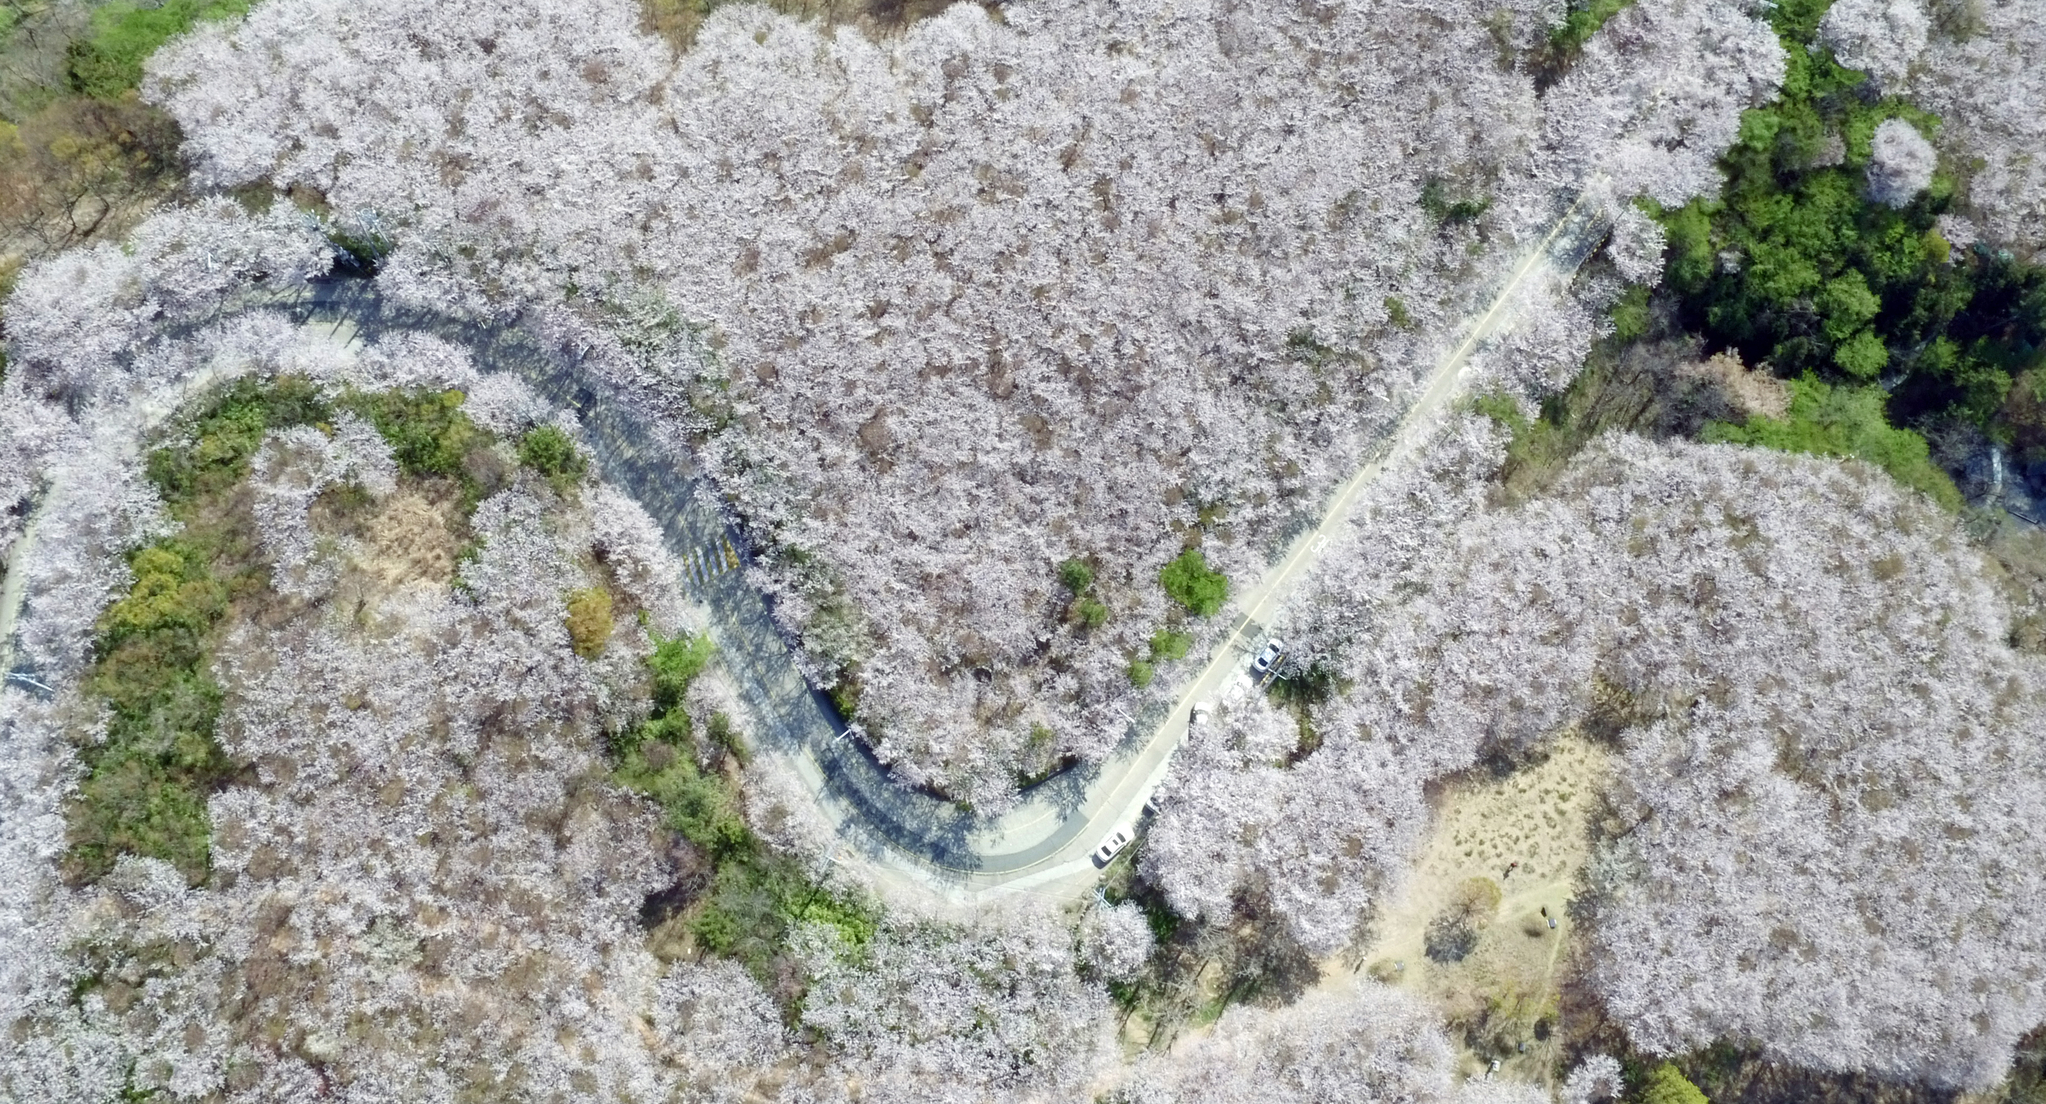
952,308
292,468
1376,1043
1828,753
1987,85
1883,38
956,1014
1900,164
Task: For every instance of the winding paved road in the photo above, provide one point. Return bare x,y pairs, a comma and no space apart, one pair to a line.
897,836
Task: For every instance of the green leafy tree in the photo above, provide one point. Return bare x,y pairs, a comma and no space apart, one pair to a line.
1076,576
1666,1084
1190,583
547,450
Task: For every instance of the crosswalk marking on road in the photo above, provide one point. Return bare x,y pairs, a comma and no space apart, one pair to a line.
702,565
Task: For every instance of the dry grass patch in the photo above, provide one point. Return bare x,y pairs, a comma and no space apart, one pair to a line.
1470,929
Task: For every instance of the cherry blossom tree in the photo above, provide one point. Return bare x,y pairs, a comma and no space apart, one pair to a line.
1901,163
1883,38
1374,1043
1983,79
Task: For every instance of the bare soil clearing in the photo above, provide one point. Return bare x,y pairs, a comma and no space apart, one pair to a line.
1526,833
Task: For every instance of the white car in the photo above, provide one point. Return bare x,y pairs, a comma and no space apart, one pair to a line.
1117,839
1273,649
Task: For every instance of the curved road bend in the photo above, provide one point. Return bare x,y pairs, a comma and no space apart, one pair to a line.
900,836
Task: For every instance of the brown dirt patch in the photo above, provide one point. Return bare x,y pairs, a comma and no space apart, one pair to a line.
1527,834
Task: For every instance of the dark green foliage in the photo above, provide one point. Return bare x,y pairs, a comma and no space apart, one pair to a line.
1093,613
547,450
756,896
1141,673
108,61
1396,311
145,787
1540,446
1823,281
359,254
227,435
428,433
1630,314
674,665
1567,39
1448,209
1076,576
1844,421
1190,583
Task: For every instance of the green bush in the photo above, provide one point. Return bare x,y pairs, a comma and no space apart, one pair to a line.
1190,583
756,896
427,431
1396,312
1630,314
1167,645
1567,39
589,621
547,450
215,454
108,60
1093,614
1666,1084
1825,420
674,664
1076,576
1141,673
1447,209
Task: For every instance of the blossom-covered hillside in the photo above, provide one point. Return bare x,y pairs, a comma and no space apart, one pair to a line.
1068,282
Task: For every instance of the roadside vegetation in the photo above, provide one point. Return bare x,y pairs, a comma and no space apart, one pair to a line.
737,898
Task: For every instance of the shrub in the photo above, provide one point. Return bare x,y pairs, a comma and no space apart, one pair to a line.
1447,209
1630,314
1166,644
1845,421
1093,614
1567,39
431,437
1666,1084
1396,311
547,450
674,665
1076,576
756,896
1190,583
1141,673
108,61
589,621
